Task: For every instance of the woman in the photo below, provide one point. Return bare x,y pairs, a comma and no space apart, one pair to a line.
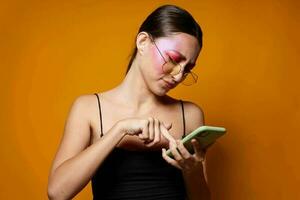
118,138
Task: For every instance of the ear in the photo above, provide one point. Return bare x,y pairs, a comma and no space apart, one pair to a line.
142,41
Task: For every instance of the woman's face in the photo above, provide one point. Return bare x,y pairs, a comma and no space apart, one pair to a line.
180,47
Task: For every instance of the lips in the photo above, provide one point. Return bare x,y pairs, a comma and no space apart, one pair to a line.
169,85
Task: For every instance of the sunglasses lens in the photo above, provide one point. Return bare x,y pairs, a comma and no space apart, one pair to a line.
171,68
168,67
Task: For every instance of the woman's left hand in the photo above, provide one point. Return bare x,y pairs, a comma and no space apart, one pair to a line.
183,160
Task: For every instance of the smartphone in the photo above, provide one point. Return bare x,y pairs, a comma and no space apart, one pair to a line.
205,135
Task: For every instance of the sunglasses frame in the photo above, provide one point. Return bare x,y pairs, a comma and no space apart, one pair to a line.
185,74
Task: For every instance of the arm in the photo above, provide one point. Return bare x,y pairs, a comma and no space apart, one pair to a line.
196,183
193,170
196,179
75,163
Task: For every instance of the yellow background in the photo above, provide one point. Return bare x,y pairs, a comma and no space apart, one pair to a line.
52,52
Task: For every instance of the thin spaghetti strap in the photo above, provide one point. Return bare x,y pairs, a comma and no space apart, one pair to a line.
183,117
99,105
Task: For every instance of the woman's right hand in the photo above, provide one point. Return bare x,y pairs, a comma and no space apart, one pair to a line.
149,130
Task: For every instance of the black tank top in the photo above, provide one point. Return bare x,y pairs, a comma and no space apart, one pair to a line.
135,175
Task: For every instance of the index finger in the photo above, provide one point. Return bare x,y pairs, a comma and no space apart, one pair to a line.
166,133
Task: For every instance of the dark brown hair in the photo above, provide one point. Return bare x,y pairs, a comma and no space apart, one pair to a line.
168,19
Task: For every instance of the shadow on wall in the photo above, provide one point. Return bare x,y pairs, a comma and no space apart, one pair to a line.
218,167
221,165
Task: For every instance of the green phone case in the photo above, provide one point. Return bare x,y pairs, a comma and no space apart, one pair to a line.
205,135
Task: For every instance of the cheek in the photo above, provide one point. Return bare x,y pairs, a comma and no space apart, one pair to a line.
157,64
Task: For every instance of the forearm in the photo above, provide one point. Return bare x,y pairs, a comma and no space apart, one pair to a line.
73,174
196,185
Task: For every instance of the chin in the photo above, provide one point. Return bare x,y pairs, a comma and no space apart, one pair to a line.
159,88
161,94
161,91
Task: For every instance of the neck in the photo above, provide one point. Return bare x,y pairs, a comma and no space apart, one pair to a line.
135,92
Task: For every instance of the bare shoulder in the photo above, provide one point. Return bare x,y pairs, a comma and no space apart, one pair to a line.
85,99
76,135
194,115
85,105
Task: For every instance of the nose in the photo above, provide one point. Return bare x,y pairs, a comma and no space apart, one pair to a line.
178,77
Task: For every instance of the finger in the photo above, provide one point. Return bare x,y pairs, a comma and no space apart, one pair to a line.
151,129
166,133
170,160
144,134
174,150
157,130
182,150
157,133
197,149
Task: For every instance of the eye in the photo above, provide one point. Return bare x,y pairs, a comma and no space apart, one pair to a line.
174,56
172,60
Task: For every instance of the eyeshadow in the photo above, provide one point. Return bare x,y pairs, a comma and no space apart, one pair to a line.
176,56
